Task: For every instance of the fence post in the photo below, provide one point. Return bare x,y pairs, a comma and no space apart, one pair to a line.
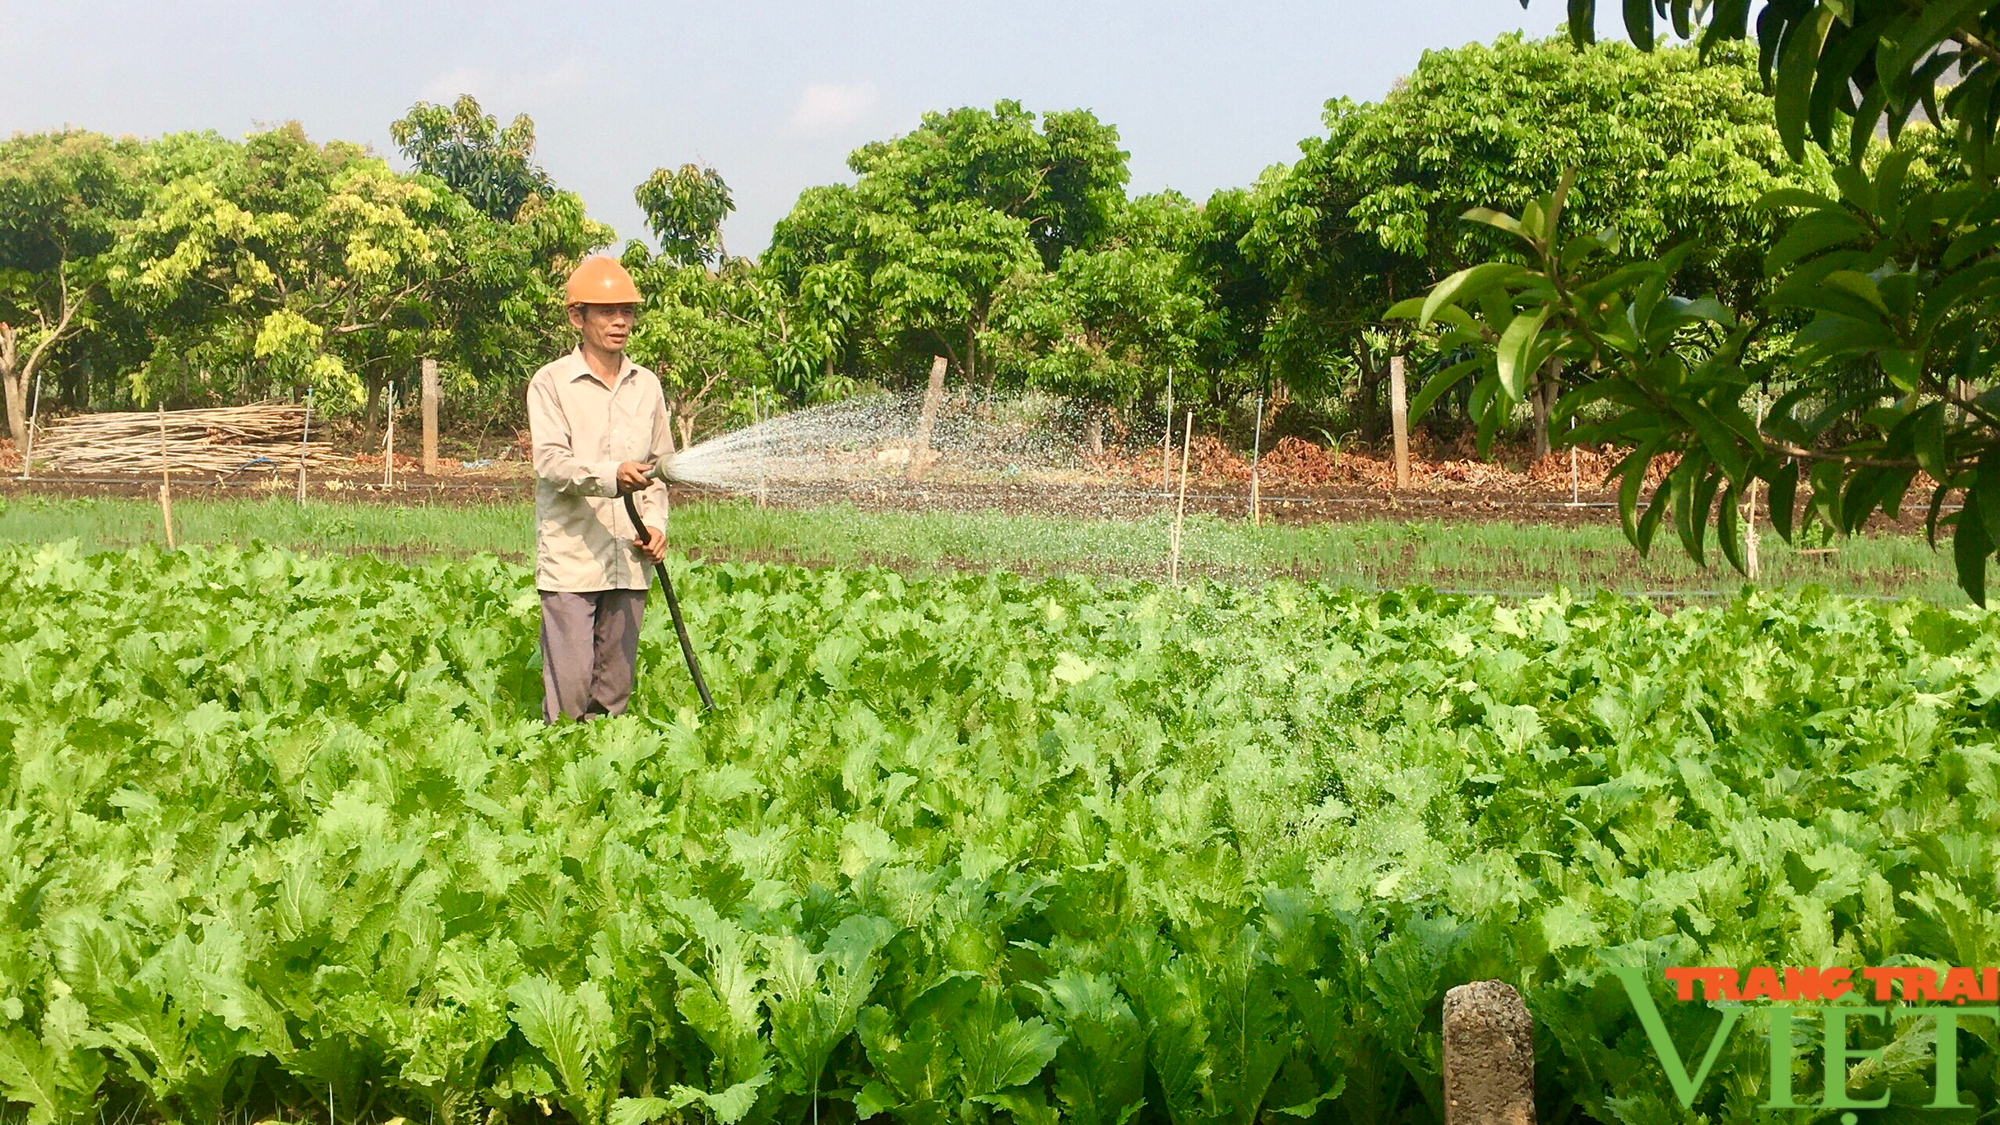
920,453
305,442
389,443
166,489
1180,511
1256,447
1489,1056
430,417
1399,421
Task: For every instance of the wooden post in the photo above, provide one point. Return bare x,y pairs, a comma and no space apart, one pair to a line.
1180,512
1256,447
166,486
1575,482
920,453
305,436
430,400
389,443
1399,421
34,416
1167,441
1489,1056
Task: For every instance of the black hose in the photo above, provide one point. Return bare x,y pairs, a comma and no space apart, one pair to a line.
674,608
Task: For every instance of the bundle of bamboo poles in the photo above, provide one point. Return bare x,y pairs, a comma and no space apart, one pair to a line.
261,437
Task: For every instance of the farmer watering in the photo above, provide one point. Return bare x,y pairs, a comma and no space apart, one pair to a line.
599,424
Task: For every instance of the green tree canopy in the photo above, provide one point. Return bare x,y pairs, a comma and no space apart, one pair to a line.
1888,387
492,167
1105,323
62,196
1664,148
941,218
311,264
685,209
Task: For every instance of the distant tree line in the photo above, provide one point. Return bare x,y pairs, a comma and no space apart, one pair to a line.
196,269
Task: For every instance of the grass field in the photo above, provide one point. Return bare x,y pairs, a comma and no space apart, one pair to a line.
1475,556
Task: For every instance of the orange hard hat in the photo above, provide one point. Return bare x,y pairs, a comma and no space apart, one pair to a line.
601,281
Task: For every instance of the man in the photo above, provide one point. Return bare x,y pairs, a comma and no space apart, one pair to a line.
598,422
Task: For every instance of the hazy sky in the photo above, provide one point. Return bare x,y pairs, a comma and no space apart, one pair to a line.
773,94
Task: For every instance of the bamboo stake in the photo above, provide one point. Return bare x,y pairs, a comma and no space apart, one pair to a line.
1751,565
389,443
1575,484
305,437
1256,447
34,415
166,482
1167,440
220,440
1180,512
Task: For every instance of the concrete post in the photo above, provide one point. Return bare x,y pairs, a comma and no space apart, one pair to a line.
1489,1056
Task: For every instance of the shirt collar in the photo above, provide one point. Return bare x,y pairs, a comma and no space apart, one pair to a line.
579,368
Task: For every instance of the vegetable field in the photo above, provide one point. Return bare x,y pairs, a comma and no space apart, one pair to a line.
282,836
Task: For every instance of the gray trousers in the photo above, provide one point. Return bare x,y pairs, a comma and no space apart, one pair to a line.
590,651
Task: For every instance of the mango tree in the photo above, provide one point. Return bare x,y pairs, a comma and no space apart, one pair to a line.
1887,388
61,197
1664,147
284,263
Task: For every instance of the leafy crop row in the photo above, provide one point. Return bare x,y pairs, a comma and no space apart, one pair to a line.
280,834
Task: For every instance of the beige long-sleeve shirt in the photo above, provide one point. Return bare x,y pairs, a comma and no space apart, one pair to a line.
582,430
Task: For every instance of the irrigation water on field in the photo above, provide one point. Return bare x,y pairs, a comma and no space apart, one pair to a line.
877,438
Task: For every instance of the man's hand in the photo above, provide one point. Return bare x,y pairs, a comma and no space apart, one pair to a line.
632,476
655,546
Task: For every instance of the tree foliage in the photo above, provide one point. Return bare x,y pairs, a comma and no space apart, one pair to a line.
941,218
492,167
1663,146
685,209
61,197
1888,385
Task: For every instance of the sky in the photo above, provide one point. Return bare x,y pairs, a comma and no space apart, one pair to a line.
772,94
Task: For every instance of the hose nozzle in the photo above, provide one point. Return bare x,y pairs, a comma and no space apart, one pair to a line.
663,470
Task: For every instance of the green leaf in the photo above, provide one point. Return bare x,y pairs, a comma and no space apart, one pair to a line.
1983,496
1784,497
1810,234
1797,63
1729,528
1780,198
1969,550
1466,284
1859,285
1100,1069
1513,358
1582,21
1002,1051
1929,25
1440,383
1639,22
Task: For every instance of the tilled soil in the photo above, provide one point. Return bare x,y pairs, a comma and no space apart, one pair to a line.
1096,497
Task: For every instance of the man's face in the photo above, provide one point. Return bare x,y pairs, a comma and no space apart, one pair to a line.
604,327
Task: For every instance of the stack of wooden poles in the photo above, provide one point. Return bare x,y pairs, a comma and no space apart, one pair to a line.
261,437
